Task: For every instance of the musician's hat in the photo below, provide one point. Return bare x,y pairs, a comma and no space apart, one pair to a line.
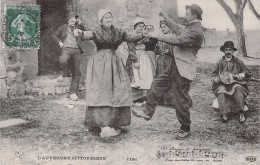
228,44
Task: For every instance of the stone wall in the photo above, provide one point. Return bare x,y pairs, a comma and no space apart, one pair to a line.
125,11
215,38
3,91
20,65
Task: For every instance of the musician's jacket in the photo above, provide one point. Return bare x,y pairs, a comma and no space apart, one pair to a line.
188,40
61,34
234,66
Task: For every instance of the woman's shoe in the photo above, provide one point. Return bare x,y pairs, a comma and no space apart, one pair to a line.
242,118
138,104
74,97
109,131
224,118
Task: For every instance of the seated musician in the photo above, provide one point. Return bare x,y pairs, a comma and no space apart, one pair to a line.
230,82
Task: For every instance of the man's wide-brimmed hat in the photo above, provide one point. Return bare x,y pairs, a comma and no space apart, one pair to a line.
71,14
195,8
228,44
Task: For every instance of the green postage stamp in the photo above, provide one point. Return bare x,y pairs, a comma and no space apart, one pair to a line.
22,26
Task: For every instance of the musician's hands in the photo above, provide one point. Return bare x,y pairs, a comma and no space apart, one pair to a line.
241,76
77,32
61,44
137,65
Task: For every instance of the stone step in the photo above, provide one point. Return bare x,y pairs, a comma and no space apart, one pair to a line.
12,122
68,102
56,90
46,85
47,91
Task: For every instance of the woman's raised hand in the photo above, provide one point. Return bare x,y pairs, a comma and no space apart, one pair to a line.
146,34
163,14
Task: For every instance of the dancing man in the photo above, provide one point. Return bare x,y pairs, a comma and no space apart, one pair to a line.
182,70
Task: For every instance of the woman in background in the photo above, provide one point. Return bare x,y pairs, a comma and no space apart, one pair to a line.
164,55
142,77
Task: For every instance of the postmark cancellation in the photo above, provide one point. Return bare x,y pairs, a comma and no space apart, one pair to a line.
22,26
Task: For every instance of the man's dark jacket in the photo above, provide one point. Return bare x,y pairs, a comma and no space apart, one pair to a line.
61,34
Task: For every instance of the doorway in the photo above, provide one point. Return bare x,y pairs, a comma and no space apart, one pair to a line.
53,15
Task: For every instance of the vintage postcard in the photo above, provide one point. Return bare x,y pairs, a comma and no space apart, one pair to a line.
129,82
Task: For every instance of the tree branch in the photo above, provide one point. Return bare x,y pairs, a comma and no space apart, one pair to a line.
228,10
241,9
252,8
237,3
243,4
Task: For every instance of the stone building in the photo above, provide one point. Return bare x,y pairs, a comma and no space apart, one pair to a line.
18,66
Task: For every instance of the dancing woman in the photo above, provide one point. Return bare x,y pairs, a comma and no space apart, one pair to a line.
108,89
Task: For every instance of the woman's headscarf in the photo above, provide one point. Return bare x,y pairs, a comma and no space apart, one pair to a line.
102,13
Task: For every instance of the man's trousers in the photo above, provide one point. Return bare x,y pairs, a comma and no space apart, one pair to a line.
74,55
170,79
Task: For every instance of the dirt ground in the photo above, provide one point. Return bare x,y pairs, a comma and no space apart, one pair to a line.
57,130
